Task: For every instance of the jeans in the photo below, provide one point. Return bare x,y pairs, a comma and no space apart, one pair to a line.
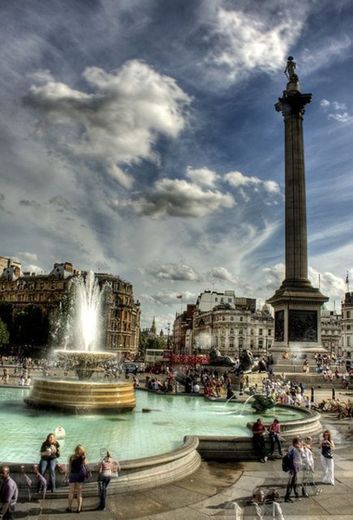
259,446
292,484
103,483
274,439
51,464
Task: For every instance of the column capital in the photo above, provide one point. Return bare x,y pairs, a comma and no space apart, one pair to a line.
292,103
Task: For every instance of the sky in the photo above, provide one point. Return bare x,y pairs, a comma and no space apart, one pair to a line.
139,138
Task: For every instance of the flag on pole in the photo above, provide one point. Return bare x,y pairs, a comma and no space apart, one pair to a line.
179,296
347,280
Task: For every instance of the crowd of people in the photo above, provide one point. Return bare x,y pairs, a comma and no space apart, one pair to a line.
298,462
76,472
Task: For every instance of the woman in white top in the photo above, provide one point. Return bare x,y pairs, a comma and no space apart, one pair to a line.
327,446
107,469
307,466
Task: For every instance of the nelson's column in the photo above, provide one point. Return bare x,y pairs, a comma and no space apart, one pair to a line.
296,303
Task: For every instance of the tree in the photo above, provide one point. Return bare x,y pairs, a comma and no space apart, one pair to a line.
151,341
4,334
31,326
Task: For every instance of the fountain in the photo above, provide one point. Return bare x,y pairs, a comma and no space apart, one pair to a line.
83,331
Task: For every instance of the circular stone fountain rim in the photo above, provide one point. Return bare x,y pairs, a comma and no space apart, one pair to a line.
85,353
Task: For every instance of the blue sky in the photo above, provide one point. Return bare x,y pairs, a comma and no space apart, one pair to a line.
139,137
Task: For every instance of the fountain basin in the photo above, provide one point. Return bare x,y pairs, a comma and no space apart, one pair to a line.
81,396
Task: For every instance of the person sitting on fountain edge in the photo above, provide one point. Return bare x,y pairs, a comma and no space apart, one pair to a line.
49,452
258,431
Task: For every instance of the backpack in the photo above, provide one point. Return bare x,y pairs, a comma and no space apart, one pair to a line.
287,462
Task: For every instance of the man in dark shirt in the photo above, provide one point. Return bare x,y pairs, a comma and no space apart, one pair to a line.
8,493
258,431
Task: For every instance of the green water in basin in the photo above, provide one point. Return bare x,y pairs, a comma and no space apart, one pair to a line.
128,435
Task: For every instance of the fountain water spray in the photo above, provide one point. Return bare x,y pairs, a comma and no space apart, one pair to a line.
88,302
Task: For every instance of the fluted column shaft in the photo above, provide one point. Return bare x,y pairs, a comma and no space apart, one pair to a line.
292,107
295,200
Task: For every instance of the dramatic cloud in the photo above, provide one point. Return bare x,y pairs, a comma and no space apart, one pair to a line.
118,123
244,41
61,203
331,49
175,198
343,117
177,272
274,276
221,273
30,257
30,203
202,176
337,111
239,180
331,285
170,298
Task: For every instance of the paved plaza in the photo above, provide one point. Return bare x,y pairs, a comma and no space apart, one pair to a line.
211,492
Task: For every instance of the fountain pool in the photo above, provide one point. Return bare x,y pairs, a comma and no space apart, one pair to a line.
129,436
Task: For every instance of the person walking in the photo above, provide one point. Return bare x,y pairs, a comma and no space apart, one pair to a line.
307,466
274,431
49,453
107,469
327,446
295,458
8,494
77,474
258,431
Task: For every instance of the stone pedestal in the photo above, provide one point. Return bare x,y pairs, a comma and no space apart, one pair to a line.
297,323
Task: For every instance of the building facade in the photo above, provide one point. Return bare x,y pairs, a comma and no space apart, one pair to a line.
226,322
45,296
347,325
182,331
331,332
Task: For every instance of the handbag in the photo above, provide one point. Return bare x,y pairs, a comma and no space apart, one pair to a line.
87,472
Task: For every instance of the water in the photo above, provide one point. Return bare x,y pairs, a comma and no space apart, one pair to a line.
128,435
80,326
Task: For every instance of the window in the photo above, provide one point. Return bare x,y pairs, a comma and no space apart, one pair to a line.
216,299
260,332
348,314
348,327
231,318
241,318
269,332
229,300
240,332
348,341
251,332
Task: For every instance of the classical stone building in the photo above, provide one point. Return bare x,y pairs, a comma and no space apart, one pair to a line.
224,321
44,297
331,332
182,331
347,325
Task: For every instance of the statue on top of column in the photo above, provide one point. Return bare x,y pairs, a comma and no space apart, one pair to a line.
290,70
